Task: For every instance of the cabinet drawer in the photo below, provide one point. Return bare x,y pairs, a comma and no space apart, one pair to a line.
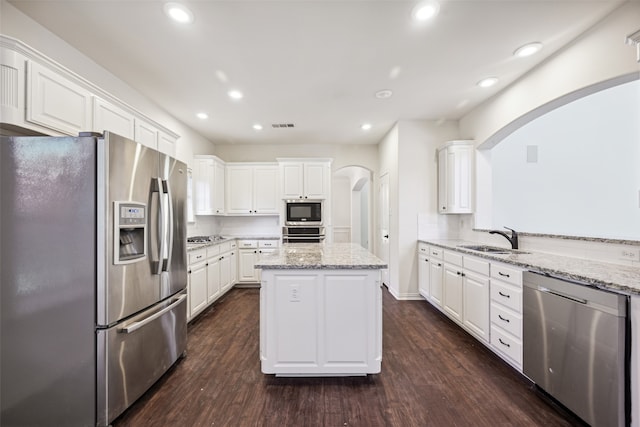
268,243
213,251
197,256
247,244
507,320
453,258
436,252
423,248
506,345
506,295
507,274
475,264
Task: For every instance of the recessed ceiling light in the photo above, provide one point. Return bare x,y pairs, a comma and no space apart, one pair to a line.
202,116
488,82
178,13
366,126
383,94
528,49
235,94
425,10
257,126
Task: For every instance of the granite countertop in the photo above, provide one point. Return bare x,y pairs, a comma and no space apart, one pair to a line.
622,279
321,256
201,245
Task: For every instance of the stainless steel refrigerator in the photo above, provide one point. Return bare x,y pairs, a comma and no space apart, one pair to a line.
93,276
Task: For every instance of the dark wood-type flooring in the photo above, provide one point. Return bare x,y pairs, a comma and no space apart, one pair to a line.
433,374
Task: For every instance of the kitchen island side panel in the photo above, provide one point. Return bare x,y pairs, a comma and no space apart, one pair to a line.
321,322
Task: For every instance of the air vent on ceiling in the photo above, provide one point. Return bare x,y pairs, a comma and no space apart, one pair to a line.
282,125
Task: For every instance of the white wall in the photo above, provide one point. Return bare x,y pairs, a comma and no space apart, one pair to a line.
408,154
597,56
596,60
342,155
14,23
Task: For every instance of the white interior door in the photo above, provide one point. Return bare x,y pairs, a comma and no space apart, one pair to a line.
383,225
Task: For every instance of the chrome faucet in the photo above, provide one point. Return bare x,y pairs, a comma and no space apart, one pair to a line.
513,239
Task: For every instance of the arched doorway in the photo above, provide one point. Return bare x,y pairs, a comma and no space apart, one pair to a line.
351,205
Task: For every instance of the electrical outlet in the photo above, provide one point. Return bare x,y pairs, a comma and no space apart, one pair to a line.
294,293
630,254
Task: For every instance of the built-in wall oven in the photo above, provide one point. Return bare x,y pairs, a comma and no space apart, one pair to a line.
304,213
299,234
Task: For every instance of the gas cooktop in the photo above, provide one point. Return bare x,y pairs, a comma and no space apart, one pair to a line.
203,239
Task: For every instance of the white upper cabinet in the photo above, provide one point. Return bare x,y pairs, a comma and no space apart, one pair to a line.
456,177
56,102
145,133
252,189
107,116
305,179
167,143
39,94
208,185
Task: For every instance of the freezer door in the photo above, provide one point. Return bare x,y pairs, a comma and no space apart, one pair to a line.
127,176
173,175
134,354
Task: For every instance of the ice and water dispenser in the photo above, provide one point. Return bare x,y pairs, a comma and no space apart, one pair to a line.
130,232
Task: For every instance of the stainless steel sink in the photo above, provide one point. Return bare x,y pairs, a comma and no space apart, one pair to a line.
491,249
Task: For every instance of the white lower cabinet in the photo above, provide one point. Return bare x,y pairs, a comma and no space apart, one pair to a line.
476,297
436,275
452,284
212,272
247,257
197,283
424,270
462,287
249,251
506,313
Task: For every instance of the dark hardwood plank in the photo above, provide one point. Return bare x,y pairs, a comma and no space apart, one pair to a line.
433,374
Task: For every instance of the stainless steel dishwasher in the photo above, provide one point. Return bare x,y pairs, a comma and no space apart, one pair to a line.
575,347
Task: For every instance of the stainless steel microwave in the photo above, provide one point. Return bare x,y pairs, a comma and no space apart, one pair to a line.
303,212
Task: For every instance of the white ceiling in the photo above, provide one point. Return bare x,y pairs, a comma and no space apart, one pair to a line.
316,64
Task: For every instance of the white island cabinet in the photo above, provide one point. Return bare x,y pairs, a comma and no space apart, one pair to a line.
321,311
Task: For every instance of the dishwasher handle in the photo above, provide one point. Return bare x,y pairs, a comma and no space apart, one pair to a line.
560,294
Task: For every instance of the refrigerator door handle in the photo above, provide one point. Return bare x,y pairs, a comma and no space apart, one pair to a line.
161,226
170,225
137,325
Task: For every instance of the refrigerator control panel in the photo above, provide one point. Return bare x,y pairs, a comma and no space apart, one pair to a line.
130,232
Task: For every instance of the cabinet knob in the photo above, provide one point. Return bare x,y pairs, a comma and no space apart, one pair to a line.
444,208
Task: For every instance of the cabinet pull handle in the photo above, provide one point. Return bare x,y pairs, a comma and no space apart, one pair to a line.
459,273
503,319
503,274
439,265
504,295
504,343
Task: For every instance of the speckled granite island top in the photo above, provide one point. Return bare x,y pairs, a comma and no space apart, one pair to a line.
612,277
321,256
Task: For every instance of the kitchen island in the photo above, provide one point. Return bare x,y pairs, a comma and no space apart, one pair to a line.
321,310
